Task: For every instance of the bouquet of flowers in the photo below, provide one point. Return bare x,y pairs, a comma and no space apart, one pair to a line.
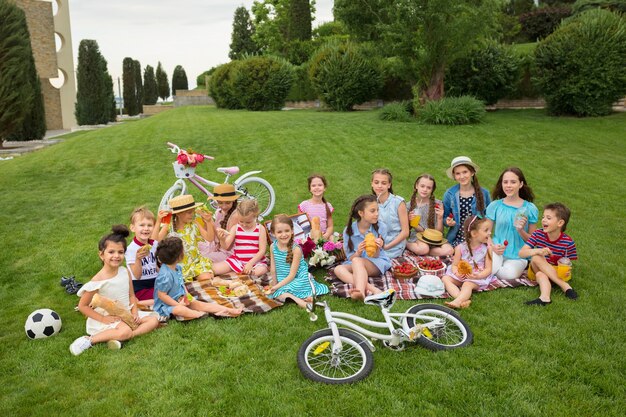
322,252
189,158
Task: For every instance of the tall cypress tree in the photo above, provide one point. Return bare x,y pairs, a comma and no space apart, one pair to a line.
150,95
130,91
92,98
16,88
300,18
163,86
138,85
179,79
34,124
241,39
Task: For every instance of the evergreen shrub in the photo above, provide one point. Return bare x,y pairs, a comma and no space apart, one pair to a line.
581,66
541,22
262,82
396,112
451,111
221,86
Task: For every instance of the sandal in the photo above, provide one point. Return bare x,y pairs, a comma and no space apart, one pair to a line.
66,280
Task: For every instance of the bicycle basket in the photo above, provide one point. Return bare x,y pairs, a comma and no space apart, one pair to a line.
183,171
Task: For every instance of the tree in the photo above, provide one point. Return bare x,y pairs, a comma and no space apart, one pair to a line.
150,95
241,39
108,92
163,86
362,18
16,89
93,94
300,18
179,79
130,91
34,124
138,85
270,23
430,34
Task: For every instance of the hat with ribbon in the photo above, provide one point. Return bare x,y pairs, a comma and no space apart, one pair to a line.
224,192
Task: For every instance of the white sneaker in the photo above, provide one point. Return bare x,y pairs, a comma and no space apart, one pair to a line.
114,344
80,345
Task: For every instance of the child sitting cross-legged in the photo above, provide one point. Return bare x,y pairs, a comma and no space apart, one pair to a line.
544,248
170,294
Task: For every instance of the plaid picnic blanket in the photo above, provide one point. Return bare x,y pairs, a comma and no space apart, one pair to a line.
254,302
405,287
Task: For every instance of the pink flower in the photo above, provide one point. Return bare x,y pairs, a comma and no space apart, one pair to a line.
338,246
199,158
182,159
307,247
328,246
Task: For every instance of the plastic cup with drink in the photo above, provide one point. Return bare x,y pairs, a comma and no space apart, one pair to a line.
564,269
168,218
415,221
520,216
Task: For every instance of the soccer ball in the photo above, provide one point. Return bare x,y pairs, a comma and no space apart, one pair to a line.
42,323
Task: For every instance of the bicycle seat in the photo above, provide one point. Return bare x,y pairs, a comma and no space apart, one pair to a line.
228,170
384,300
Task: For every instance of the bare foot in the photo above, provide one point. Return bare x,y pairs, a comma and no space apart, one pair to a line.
466,303
452,304
356,295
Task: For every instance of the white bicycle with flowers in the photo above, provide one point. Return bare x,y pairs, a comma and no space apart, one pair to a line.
246,185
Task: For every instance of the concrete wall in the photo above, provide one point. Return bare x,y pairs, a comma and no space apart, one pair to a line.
149,110
192,98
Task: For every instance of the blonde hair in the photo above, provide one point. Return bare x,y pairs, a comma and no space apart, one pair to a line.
247,207
142,212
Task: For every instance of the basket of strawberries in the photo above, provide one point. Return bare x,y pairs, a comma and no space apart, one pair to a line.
405,271
431,266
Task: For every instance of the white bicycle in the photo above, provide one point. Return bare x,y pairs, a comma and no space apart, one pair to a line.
338,355
246,185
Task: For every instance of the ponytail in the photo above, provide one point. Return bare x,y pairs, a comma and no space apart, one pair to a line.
357,206
431,211
289,257
224,222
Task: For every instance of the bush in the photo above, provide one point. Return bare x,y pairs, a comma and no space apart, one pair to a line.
301,88
580,67
396,86
541,22
451,111
487,74
221,86
344,76
262,82
524,86
396,112
612,5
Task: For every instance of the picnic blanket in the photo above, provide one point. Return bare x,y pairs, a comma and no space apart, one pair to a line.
254,302
405,287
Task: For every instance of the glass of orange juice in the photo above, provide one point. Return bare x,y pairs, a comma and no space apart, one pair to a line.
564,269
415,221
167,219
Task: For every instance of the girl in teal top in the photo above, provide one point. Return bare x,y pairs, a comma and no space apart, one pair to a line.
392,213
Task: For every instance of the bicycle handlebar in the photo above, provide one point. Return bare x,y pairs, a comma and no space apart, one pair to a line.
176,149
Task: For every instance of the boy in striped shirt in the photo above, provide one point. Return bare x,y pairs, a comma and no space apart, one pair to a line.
545,247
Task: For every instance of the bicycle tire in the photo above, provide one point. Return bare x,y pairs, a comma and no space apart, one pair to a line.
178,188
259,189
454,333
355,361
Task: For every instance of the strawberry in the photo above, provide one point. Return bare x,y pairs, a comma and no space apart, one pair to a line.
450,216
506,242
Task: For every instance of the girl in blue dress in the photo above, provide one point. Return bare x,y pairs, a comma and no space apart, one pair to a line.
359,266
288,267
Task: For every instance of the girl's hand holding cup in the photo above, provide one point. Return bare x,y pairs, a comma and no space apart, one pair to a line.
165,216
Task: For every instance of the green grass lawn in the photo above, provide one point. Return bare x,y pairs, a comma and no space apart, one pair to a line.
563,360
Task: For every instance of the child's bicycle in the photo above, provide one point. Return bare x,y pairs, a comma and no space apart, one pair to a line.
339,355
246,186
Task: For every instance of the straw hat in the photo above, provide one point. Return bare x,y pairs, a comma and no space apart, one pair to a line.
460,160
429,285
432,237
183,202
224,192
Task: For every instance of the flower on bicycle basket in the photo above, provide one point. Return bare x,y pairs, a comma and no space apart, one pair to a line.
189,158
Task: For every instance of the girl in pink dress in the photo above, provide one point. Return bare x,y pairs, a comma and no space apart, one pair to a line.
317,206
250,243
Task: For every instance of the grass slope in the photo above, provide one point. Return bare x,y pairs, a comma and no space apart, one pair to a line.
566,359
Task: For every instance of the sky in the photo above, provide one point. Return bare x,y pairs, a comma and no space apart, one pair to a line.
192,33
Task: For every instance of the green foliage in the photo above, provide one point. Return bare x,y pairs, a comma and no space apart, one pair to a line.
93,91
16,87
138,85
524,87
519,7
396,80
262,82
128,86
179,79
150,95
301,87
242,36
270,22
33,126
300,18
612,5
344,76
451,111
581,65
163,85
221,86
330,29
488,74
201,79
362,18
109,95
396,112
541,22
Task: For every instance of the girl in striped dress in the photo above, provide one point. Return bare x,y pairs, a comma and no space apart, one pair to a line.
250,243
290,274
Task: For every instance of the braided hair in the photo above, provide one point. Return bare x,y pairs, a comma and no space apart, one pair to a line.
383,171
323,179
358,205
284,219
231,210
431,204
472,223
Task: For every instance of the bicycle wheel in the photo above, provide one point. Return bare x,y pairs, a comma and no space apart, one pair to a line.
178,188
452,333
261,190
317,362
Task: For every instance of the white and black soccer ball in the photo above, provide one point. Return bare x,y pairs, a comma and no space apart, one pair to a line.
42,323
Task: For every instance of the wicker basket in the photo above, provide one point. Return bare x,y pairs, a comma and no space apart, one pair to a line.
411,275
